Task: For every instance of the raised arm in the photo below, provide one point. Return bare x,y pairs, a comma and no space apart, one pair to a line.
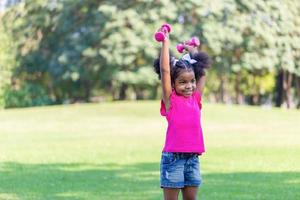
200,84
165,73
201,80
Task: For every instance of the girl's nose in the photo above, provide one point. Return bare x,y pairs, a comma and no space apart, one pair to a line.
189,85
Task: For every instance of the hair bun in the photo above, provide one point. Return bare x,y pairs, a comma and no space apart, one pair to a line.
202,59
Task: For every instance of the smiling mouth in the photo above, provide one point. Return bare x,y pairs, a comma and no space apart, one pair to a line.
188,92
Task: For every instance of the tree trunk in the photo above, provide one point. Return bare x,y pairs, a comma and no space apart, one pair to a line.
298,90
51,92
154,94
138,93
122,93
287,84
222,90
87,90
279,89
238,94
113,90
254,96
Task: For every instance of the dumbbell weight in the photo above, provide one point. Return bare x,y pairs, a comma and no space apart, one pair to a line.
180,47
160,35
194,42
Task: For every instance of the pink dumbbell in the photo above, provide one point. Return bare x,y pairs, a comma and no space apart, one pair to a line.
160,35
194,42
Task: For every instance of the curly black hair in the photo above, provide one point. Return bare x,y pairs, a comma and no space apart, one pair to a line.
203,63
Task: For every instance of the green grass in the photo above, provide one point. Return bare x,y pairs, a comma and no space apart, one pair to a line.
112,151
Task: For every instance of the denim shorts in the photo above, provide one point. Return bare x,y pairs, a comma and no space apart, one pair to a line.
178,170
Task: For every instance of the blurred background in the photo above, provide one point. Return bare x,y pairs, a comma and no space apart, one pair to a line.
65,51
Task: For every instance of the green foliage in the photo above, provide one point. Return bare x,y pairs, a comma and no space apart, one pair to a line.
74,49
28,95
127,44
7,60
144,76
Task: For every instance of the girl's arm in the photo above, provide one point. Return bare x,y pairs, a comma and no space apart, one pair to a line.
165,73
200,84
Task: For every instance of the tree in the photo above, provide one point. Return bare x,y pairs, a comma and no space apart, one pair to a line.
69,51
7,61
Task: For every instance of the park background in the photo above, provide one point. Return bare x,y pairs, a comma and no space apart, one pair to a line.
71,62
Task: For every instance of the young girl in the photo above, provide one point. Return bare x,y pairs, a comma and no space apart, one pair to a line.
182,84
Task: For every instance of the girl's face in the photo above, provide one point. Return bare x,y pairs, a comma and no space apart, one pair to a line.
185,83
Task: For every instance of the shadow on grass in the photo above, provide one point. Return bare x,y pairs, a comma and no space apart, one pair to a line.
80,181
251,186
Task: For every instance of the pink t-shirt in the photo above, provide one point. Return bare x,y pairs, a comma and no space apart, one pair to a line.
184,133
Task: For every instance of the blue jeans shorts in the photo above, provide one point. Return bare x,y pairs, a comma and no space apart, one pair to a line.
178,170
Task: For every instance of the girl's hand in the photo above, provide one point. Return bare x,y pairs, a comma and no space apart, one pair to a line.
190,49
162,29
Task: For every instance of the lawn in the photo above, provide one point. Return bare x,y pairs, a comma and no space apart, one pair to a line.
111,151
